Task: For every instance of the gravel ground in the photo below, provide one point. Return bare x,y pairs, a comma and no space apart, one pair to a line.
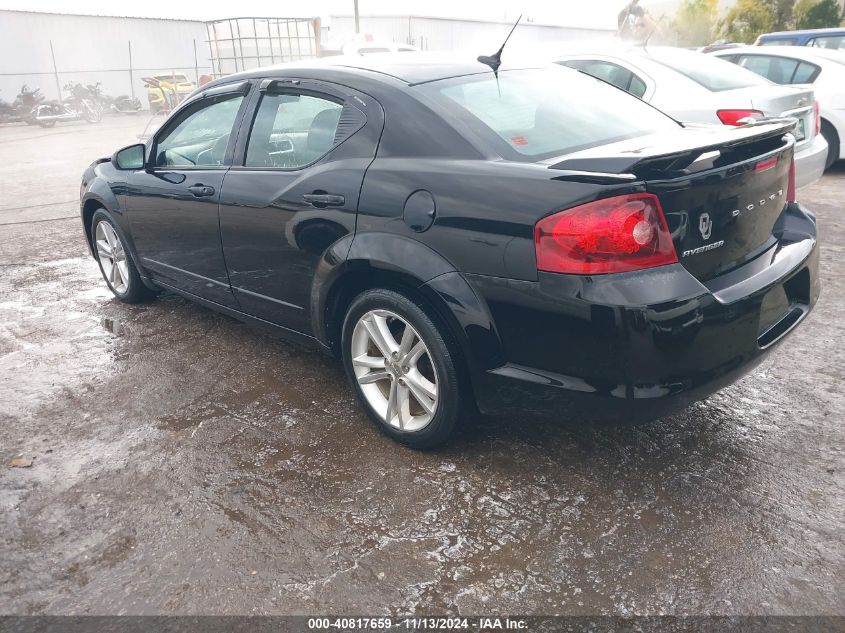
183,463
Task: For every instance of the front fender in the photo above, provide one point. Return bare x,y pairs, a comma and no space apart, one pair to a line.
98,192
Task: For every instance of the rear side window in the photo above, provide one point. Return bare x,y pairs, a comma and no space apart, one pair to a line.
710,72
537,114
613,74
806,73
780,70
776,69
292,130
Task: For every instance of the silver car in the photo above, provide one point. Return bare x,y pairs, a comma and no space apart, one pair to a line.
699,88
791,65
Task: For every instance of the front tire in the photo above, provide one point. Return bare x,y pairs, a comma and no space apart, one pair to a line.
403,368
116,262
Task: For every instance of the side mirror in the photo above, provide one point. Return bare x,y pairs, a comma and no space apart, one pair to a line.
131,157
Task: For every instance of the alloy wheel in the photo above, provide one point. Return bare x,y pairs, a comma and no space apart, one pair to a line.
112,257
394,370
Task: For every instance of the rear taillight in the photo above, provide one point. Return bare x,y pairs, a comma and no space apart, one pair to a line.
790,186
818,113
733,117
612,235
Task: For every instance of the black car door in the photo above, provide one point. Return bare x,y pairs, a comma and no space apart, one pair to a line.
293,192
172,204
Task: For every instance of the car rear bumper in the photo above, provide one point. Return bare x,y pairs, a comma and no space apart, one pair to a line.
810,162
636,346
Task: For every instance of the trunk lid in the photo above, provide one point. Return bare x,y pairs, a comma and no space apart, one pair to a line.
781,101
721,188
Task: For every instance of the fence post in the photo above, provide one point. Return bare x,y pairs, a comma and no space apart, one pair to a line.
56,72
131,78
196,63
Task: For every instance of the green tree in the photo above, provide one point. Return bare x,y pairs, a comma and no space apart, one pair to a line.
695,23
816,14
749,18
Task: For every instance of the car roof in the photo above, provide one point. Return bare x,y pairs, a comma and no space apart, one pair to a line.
409,69
793,34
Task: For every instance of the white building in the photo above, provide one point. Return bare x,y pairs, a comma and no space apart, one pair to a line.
89,48
48,50
449,34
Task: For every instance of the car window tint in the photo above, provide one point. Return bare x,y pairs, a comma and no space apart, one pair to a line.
710,72
536,114
805,73
784,42
199,135
833,41
637,87
606,71
292,130
776,69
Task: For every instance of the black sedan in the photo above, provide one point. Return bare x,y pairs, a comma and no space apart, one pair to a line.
531,239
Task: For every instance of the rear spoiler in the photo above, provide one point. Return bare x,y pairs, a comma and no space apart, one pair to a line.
754,138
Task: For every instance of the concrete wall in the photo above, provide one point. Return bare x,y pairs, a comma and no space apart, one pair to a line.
93,48
447,34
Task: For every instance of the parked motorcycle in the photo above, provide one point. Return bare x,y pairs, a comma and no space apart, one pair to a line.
78,105
21,108
122,104
6,112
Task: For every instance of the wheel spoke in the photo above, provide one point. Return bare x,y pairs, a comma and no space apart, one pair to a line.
404,405
408,337
391,401
373,362
123,269
423,394
413,356
380,334
104,249
374,376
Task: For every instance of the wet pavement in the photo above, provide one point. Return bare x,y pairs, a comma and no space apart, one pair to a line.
185,463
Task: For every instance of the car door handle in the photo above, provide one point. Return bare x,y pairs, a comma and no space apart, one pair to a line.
201,191
321,199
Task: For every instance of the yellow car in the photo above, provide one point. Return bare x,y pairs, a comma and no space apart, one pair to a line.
176,85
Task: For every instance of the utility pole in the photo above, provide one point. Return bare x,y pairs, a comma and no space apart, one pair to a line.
56,72
357,21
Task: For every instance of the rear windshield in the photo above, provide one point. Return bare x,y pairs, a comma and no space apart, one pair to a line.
540,113
711,72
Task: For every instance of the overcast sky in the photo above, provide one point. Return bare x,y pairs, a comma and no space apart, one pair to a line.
596,13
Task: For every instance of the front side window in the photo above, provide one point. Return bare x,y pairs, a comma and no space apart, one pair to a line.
199,135
541,113
292,130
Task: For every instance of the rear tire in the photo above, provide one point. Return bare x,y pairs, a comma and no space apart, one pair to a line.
115,260
410,383
833,149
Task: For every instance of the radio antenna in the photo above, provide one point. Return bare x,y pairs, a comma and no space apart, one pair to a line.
495,60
